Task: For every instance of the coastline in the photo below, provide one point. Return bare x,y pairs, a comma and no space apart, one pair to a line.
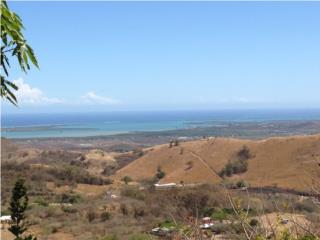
241,130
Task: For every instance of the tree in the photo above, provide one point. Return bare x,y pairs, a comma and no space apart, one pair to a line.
14,44
18,206
160,173
126,179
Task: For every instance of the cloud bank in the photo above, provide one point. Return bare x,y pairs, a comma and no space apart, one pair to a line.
31,95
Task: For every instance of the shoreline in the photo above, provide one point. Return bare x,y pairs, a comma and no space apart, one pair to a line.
253,131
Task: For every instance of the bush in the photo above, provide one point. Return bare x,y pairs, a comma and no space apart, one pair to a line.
124,209
195,202
241,184
160,174
69,209
105,216
138,211
219,215
244,153
70,198
167,224
237,165
91,215
133,192
41,202
126,179
253,222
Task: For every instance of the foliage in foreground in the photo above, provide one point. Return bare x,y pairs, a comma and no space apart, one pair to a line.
13,43
18,206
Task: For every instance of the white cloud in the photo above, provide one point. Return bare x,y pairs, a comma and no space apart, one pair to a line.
30,95
92,97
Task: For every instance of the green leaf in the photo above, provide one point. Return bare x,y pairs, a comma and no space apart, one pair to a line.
13,41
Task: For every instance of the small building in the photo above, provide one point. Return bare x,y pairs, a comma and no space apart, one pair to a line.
165,185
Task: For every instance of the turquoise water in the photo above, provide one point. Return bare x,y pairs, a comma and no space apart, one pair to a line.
109,123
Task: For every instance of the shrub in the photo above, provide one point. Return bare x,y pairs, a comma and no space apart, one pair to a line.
208,211
160,173
126,179
104,216
244,153
124,209
91,215
167,224
219,215
138,211
41,202
195,202
253,222
237,165
69,209
70,198
241,184
133,192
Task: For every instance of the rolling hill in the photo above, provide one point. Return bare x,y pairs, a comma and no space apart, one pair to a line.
286,162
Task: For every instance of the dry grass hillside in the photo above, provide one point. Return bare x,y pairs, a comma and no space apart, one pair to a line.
286,162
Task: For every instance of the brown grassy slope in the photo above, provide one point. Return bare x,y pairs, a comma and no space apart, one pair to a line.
288,162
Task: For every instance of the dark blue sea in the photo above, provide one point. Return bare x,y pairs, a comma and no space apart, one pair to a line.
109,123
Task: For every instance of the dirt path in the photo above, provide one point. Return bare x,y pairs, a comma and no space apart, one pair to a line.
204,162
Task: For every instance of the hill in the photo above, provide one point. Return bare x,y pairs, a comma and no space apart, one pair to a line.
286,162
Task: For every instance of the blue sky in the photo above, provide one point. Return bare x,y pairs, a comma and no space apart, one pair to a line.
169,55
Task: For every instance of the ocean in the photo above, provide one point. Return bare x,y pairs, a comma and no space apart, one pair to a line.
109,123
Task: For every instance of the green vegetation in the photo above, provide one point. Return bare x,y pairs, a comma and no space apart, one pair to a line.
220,215
132,192
237,165
160,173
126,179
13,43
69,198
168,224
18,206
105,216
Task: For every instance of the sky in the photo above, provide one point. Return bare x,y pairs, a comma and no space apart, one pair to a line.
110,56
